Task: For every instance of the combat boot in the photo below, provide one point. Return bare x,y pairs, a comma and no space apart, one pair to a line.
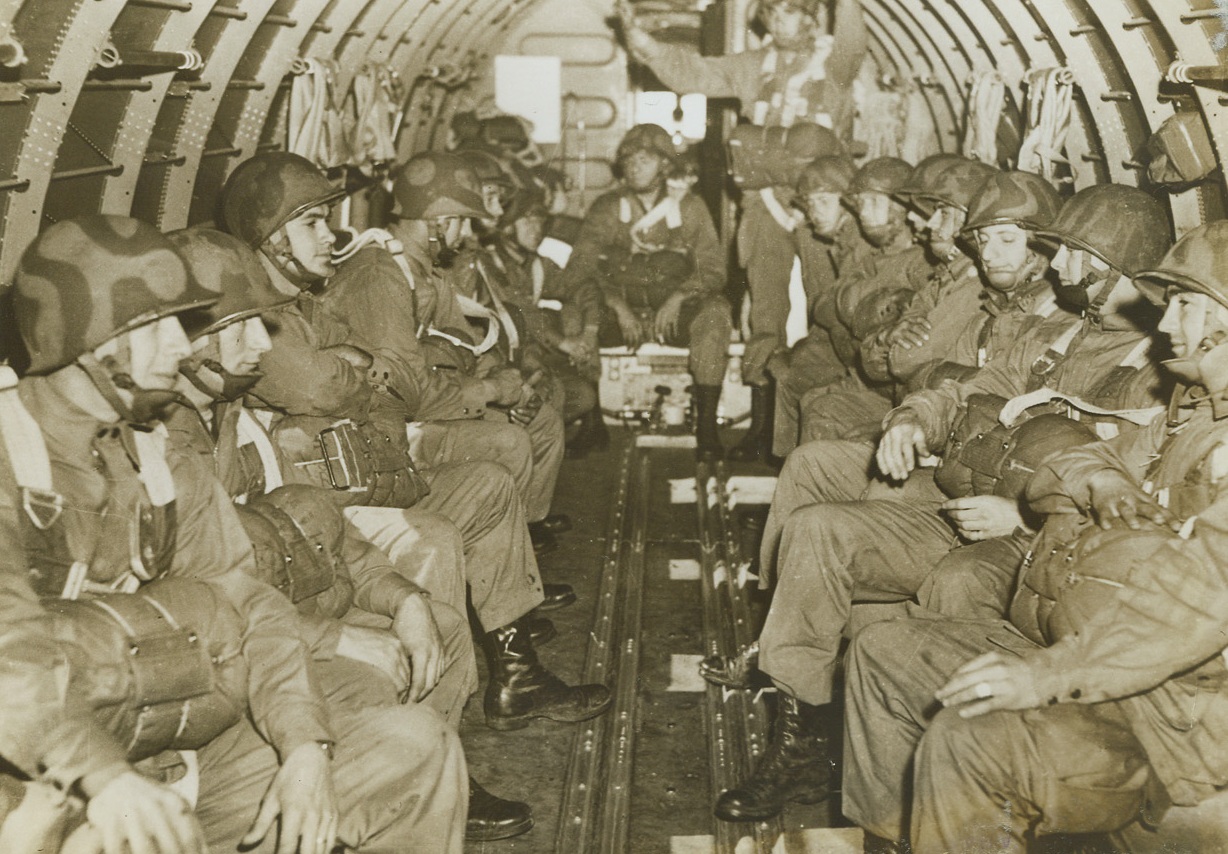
796,767
491,817
592,436
707,438
756,445
521,688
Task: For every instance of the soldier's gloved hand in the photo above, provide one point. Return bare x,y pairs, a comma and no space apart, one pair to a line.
665,324
1116,500
638,42
302,794
135,815
990,683
378,648
629,325
415,627
903,443
983,517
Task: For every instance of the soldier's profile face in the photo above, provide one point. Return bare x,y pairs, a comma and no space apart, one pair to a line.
311,241
241,344
154,353
1004,254
1185,321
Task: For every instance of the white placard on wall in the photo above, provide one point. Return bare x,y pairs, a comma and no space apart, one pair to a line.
532,87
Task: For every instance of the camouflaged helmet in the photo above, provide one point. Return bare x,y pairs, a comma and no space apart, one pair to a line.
84,281
651,138
827,174
881,175
435,184
1197,262
505,132
954,181
487,167
264,193
230,269
1123,226
922,178
1014,198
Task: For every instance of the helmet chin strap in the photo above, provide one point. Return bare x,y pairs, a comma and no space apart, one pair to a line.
277,250
148,405
234,386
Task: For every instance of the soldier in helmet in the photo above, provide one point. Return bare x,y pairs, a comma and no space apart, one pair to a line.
649,258
1095,671
805,72
98,302
435,204
476,493
418,589
890,269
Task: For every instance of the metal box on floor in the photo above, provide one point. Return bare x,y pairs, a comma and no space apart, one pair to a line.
629,379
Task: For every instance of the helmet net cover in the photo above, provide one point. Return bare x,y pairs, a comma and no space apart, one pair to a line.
953,182
826,174
87,280
227,267
881,175
267,191
436,184
647,137
1024,199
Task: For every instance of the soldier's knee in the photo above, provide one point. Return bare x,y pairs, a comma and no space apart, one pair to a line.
499,484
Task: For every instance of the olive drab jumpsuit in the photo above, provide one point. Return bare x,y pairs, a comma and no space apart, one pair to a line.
815,87
605,243
1079,764
882,550
370,295
301,376
399,773
248,463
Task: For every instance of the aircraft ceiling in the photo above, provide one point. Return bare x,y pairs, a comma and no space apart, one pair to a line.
143,106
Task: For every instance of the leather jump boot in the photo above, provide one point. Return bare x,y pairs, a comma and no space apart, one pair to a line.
521,688
796,767
593,435
708,446
756,445
491,817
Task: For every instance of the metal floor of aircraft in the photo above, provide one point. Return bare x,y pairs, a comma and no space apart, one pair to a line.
662,581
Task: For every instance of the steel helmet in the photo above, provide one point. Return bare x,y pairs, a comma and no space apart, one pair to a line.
1123,226
881,175
435,184
922,174
84,281
487,167
651,138
1197,262
264,193
231,270
1017,198
827,174
954,182
505,132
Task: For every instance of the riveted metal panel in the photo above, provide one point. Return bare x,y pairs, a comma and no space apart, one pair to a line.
61,41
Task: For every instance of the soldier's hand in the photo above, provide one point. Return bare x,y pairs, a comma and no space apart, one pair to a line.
1115,500
421,640
638,41
135,815
666,321
377,647
990,683
355,356
983,517
506,383
903,443
629,325
909,332
302,794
